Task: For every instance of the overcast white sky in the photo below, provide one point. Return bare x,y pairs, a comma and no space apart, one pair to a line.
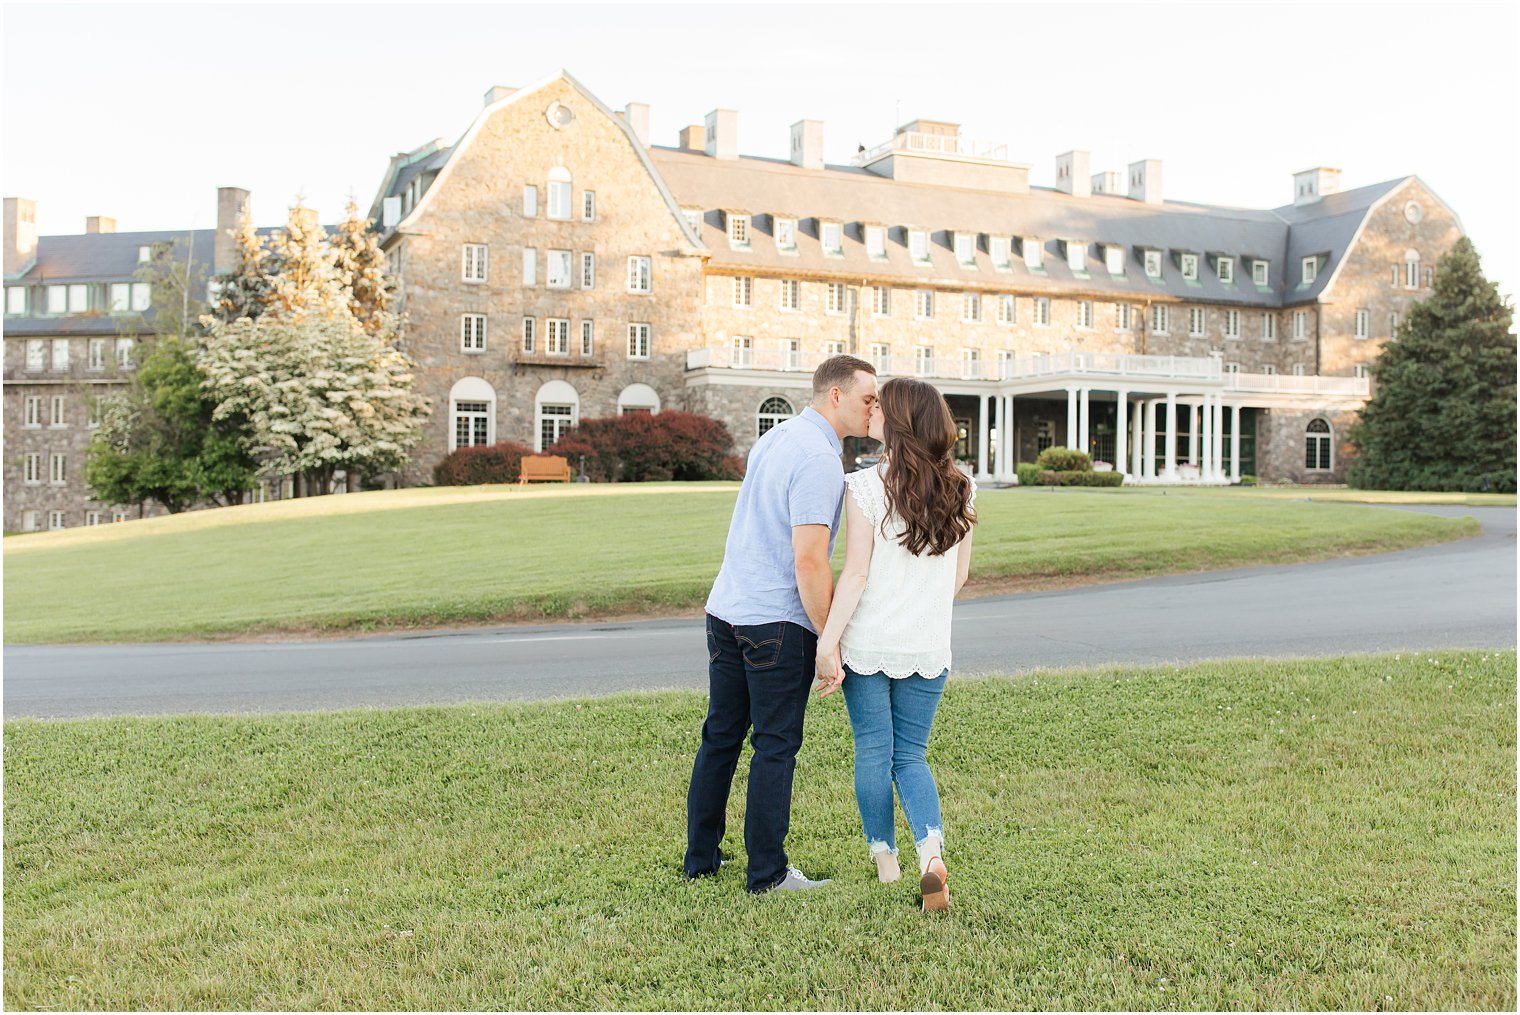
141,111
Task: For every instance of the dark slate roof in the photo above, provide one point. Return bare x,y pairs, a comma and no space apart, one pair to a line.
1326,227
77,324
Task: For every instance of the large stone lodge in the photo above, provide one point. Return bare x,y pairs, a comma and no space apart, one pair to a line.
555,264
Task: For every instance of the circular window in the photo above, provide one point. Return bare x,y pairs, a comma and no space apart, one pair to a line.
559,115
1413,212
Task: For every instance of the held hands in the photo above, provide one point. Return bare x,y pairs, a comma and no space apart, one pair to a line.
830,670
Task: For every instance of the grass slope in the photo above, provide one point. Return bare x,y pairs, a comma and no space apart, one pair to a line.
1312,834
403,559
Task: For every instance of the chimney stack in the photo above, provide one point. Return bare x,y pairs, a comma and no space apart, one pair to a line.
20,234
1145,180
99,224
1312,184
693,138
1110,181
807,144
1072,176
231,202
723,134
498,92
637,116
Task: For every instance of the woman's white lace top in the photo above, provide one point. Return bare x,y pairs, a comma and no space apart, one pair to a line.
902,624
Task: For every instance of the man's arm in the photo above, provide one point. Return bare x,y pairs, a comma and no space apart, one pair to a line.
815,577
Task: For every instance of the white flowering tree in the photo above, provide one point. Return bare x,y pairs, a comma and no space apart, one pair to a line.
319,388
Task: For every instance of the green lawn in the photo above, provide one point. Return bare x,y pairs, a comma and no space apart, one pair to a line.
419,558
1318,834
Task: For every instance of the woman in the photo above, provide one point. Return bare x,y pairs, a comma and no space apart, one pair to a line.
887,638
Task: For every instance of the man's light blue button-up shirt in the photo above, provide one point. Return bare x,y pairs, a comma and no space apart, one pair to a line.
794,476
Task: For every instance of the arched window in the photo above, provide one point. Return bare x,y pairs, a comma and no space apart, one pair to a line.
1317,445
556,408
772,411
559,193
472,404
1411,269
638,398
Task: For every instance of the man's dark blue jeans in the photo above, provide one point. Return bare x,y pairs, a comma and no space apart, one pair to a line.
758,676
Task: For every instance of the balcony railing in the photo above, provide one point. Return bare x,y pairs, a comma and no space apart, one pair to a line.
940,144
1312,384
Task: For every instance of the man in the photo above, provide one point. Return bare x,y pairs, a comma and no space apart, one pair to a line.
769,602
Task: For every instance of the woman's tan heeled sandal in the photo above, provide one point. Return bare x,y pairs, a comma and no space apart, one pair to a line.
887,869
934,886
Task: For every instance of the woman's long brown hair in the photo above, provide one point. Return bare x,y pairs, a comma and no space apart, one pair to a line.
925,488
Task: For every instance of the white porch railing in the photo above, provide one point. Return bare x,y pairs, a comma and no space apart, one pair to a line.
1312,384
914,141
1117,363
954,368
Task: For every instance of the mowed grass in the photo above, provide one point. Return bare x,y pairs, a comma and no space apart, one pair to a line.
1310,834
399,559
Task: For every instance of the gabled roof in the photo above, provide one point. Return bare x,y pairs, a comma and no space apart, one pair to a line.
1329,225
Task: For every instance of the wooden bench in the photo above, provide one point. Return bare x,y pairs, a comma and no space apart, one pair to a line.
544,469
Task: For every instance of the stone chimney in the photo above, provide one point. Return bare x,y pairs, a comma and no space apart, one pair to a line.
1145,180
99,224
20,234
230,205
1072,176
498,92
807,144
1110,181
637,115
1312,184
694,138
723,134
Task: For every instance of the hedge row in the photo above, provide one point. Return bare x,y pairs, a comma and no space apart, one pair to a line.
1048,478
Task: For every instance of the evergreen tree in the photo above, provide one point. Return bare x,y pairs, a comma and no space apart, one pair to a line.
300,267
246,290
1443,417
361,267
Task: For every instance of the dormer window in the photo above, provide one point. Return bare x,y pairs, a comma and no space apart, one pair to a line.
1310,269
786,235
832,236
1076,256
876,242
1189,265
1033,254
998,247
693,218
738,230
144,252
965,249
1113,259
1153,263
1224,267
1259,273
918,246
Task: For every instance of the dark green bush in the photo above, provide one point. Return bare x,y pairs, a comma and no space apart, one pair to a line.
1029,474
1248,480
1081,478
1064,460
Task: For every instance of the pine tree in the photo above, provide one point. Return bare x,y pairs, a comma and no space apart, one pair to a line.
1444,414
246,290
361,267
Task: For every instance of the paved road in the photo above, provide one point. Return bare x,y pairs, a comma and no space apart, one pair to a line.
1457,595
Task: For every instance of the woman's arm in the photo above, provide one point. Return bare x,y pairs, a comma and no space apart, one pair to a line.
963,560
860,538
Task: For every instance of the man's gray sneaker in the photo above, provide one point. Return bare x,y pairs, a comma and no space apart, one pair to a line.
796,881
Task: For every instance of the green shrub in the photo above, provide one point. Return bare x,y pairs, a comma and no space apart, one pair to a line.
1247,480
1049,478
1029,474
1064,460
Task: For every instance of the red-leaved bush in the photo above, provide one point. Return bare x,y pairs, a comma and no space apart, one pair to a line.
495,463
640,447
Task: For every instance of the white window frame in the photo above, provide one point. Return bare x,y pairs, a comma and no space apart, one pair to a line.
1113,259
791,354
786,235
971,308
1411,272
118,515
965,249
530,335
58,469
876,243
837,299
738,231
588,269
831,237
1161,319
557,336
1189,265
1153,264
1124,315
60,354
1300,325
31,468
1298,370
588,206
15,300
1224,267
558,206
58,412
1310,268
1269,369
881,301
833,347
791,295
472,333
1393,325
588,339
561,416
559,269
1034,253
530,201
472,413
57,298
124,348
1268,327
79,299
142,296
923,304
1360,370
770,414
475,261
638,341
91,518
1232,324
1362,324
743,347
1085,315
1008,309
530,266
971,364
55,521
640,274
1231,368
881,357
1076,256
1198,321
32,419
29,521
1260,272
999,252
1324,444
744,291
918,246
1042,312
923,360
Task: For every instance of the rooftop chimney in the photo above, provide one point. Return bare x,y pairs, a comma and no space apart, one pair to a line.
231,202
723,134
1110,181
1072,176
807,144
100,224
498,92
20,234
694,138
637,115
1312,184
1145,180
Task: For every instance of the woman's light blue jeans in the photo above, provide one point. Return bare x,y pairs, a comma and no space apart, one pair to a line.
891,721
